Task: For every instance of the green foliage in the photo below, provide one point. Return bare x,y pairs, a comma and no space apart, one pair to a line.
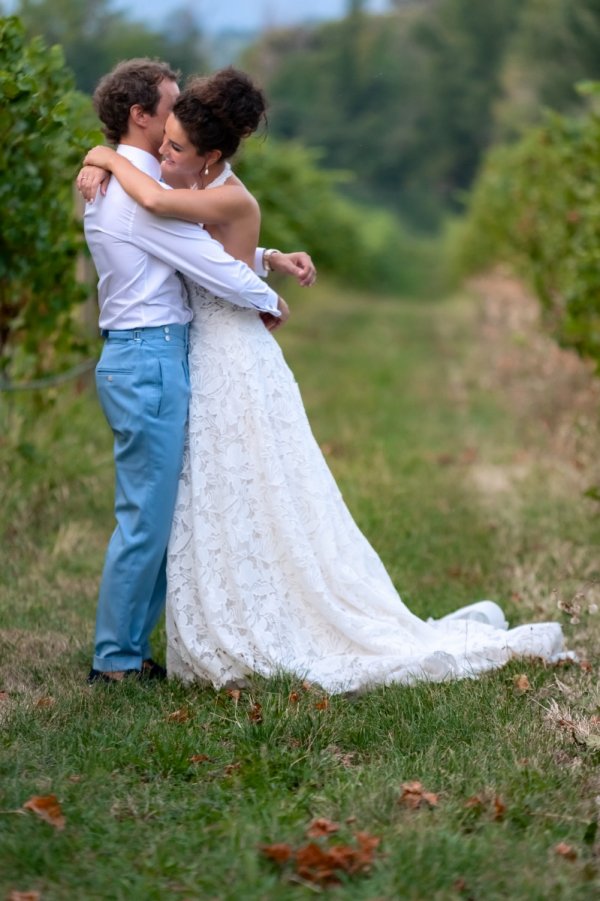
302,206
405,100
46,127
554,46
94,36
411,101
537,204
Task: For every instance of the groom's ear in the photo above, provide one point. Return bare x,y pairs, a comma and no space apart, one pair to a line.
139,115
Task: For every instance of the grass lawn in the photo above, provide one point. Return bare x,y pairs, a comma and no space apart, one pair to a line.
463,442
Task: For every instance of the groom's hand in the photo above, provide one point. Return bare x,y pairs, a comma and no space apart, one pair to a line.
297,264
274,322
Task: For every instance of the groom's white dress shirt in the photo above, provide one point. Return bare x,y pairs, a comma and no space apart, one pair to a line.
137,253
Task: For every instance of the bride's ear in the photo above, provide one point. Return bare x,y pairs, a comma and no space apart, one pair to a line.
213,157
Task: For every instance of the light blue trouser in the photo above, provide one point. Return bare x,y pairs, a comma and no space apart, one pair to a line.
143,385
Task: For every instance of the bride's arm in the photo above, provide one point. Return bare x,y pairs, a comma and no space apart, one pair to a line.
214,207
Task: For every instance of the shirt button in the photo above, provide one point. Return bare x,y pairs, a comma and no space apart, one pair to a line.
109,378
166,329
167,337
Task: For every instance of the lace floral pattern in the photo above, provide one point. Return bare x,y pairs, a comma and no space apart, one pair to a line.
267,571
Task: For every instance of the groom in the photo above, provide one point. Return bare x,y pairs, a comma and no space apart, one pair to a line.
142,376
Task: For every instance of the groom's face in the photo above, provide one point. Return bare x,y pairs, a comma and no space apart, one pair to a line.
169,92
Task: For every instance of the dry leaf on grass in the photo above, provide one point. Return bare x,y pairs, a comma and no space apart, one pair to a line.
522,683
499,808
47,808
475,802
566,851
255,713
4,696
234,694
45,702
321,827
346,758
323,704
280,852
230,768
179,716
480,803
414,796
293,697
199,758
321,864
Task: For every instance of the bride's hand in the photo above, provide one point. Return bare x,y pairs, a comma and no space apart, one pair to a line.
274,322
91,178
100,156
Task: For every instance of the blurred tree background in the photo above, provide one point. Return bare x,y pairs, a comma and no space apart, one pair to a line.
380,124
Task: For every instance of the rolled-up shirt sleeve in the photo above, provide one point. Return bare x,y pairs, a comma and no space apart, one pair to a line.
191,250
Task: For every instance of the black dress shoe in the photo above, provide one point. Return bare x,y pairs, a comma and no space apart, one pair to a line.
152,670
96,675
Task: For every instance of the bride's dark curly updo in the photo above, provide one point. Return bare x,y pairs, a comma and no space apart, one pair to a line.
219,110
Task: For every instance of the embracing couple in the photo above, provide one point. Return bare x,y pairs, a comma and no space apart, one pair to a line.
224,503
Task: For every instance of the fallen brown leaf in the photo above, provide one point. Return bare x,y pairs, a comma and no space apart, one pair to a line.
321,827
315,865
75,778
414,796
367,842
47,808
179,716
231,768
469,455
323,704
475,802
293,697
45,702
320,864
479,803
4,696
234,694
199,758
522,683
566,851
280,852
499,808
255,713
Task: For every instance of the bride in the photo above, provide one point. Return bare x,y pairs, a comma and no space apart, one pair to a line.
267,571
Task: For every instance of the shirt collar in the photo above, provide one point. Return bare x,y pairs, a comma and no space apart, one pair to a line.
141,158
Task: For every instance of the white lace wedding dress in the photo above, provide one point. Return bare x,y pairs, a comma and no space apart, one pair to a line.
267,571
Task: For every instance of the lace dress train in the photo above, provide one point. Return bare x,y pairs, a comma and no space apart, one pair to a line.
267,571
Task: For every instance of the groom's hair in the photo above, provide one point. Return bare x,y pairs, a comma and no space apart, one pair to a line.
132,82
